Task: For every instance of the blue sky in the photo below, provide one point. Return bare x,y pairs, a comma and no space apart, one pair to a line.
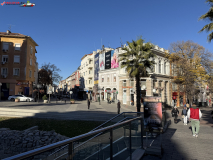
66,30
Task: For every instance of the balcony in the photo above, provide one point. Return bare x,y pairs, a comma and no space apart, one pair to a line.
90,76
90,66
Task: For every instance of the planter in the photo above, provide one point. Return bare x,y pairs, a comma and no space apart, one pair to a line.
17,100
45,101
72,102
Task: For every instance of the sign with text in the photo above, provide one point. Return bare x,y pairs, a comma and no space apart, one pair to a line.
152,111
114,59
102,61
96,69
108,60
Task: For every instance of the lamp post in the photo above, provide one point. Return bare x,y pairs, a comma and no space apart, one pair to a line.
38,86
0,90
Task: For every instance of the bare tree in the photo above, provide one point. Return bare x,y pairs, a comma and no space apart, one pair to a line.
53,72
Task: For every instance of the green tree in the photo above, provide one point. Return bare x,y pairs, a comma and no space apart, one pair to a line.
137,60
209,16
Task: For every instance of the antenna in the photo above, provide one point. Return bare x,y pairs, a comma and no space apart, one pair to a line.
121,43
109,44
10,25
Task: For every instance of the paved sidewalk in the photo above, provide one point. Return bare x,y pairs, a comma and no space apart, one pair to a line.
179,144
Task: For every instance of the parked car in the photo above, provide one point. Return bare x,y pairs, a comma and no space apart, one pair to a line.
21,97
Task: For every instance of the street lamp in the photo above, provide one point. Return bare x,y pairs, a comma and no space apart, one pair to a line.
0,90
38,86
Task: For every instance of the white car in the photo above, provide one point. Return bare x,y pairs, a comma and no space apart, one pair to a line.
21,97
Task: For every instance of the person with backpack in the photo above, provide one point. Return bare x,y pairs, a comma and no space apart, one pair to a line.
184,114
195,114
175,113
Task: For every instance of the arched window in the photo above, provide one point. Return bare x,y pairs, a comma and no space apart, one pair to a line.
159,66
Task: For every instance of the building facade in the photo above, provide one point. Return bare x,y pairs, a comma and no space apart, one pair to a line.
18,64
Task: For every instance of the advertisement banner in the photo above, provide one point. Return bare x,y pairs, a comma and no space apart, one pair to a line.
102,61
96,69
152,111
108,60
114,59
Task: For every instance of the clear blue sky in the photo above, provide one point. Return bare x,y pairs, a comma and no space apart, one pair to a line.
66,30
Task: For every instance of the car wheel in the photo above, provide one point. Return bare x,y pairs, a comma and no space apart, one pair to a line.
12,99
28,100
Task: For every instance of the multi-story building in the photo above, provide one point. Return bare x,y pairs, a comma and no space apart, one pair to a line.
87,71
18,63
157,84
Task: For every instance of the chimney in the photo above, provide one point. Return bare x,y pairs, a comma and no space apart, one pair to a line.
8,32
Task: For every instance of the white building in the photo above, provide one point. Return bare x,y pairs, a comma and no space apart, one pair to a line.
87,71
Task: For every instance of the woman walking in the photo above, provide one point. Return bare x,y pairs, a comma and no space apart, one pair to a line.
175,113
184,114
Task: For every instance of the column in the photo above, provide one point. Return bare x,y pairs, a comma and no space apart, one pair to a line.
149,87
163,91
127,92
120,92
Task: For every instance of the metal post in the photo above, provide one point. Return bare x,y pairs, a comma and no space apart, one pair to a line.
70,151
38,94
130,141
111,144
49,98
142,129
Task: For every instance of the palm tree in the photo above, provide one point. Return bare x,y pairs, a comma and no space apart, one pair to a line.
208,15
137,59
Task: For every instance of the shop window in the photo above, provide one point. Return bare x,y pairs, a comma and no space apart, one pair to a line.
114,78
124,83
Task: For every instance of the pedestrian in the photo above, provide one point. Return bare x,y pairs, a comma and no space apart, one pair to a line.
175,113
195,114
184,114
88,103
119,106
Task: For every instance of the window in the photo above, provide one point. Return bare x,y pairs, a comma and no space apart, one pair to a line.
159,66
124,83
5,46
108,78
30,73
34,74
4,71
84,73
86,81
102,78
31,62
16,59
114,78
16,71
89,71
31,50
164,67
143,84
5,58
17,46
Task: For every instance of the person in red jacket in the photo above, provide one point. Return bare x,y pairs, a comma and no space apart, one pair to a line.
195,114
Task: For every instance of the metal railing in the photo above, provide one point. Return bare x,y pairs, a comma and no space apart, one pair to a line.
107,123
111,129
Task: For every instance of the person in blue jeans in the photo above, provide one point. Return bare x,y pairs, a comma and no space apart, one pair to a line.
184,114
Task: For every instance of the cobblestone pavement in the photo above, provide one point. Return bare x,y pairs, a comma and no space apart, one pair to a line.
179,144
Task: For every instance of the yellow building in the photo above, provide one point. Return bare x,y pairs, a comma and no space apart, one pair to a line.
18,64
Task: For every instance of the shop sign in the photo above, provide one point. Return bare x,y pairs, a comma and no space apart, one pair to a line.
152,99
174,97
153,114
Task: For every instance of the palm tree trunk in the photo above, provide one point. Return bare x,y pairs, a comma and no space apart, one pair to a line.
138,104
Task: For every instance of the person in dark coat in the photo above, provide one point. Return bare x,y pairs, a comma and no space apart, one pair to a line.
119,106
175,113
88,103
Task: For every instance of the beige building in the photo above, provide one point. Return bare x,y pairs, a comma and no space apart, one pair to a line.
157,84
87,71
18,64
